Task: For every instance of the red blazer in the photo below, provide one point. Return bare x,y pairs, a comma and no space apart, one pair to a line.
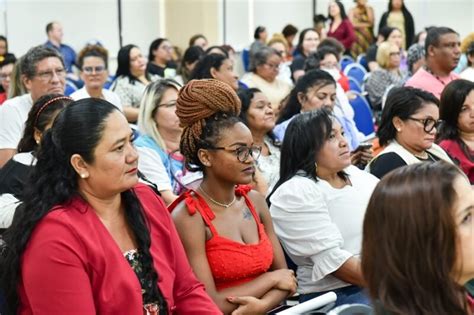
72,265
344,33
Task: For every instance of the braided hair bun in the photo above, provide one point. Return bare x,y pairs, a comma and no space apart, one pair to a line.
202,104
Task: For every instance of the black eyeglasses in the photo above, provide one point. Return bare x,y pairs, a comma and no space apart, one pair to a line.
428,123
242,152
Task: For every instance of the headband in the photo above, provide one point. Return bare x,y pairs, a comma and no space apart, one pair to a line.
48,103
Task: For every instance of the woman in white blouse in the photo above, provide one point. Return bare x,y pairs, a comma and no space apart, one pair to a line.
318,206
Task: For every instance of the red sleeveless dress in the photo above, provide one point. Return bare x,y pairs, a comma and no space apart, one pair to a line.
232,263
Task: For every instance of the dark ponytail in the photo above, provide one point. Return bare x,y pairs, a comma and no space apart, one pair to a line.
139,225
77,130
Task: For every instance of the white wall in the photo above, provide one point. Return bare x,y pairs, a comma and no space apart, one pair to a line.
243,16
82,20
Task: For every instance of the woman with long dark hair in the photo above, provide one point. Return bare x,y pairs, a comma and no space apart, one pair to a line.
456,134
318,205
317,89
88,239
131,78
340,27
308,42
418,241
399,17
160,58
216,66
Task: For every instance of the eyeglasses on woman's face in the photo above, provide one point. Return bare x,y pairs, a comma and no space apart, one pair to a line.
92,70
428,123
242,152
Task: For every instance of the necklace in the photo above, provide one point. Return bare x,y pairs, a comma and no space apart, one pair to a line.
423,156
225,205
434,75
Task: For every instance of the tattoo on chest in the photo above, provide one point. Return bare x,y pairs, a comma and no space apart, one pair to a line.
247,214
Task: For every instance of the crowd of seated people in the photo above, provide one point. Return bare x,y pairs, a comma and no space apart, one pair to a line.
177,184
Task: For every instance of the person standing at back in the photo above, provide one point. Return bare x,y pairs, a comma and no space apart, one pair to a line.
362,18
398,16
43,73
340,27
54,30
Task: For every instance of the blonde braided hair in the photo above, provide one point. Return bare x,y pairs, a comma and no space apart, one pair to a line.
200,104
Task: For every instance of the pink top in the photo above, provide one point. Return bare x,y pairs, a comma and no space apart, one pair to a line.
464,159
231,263
424,80
72,265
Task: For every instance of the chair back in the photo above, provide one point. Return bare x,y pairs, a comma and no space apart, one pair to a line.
362,60
70,88
363,116
354,85
356,71
246,59
345,61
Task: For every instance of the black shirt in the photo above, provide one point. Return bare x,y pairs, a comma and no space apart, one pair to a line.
387,162
13,176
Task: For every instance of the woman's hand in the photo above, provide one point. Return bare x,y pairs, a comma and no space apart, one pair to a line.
285,280
361,157
247,305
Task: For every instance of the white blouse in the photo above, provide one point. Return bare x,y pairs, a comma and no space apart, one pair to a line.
320,227
270,165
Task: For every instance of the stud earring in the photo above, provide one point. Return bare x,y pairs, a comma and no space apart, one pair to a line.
83,175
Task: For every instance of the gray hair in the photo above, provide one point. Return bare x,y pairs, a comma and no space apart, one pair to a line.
261,57
415,53
34,56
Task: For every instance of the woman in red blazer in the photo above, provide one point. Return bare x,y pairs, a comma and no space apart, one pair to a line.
340,27
88,239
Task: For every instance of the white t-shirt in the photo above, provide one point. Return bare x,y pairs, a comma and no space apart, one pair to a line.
12,120
320,227
110,97
151,165
468,74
